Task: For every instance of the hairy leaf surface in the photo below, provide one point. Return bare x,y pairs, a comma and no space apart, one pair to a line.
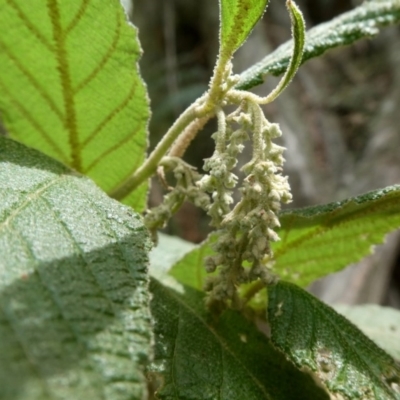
316,241
204,357
70,86
238,18
363,21
316,337
74,302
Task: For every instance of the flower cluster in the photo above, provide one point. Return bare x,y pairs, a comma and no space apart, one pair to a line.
246,231
185,189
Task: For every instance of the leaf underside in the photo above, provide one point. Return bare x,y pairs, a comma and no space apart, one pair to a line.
74,302
316,241
317,338
70,86
363,21
298,33
203,357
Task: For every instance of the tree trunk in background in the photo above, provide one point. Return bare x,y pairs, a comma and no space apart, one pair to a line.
338,116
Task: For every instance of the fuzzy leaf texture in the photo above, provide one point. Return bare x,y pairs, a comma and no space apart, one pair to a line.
298,33
74,301
363,21
316,241
203,357
70,86
317,338
237,19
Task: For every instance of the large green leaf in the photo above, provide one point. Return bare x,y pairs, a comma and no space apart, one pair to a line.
70,87
316,241
317,338
74,301
238,18
227,358
363,21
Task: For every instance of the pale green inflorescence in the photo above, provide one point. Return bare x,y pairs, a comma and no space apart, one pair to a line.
245,231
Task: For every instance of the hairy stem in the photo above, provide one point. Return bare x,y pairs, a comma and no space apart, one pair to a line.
149,167
255,287
182,143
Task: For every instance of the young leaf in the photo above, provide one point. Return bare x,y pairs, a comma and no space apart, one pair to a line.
316,241
70,86
298,33
201,357
363,21
238,18
316,338
74,301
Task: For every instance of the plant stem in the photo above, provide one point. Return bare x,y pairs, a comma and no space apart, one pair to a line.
253,290
149,167
181,144
203,107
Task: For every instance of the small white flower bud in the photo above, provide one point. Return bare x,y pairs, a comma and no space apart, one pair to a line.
262,243
272,235
274,195
274,131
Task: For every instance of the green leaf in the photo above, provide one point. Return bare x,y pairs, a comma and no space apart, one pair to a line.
316,241
74,301
238,18
168,252
385,331
203,357
316,338
363,21
70,86
298,33
189,270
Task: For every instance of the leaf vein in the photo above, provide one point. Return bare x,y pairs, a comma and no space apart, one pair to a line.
116,110
42,39
29,117
32,80
104,60
66,84
75,20
29,198
329,223
222,343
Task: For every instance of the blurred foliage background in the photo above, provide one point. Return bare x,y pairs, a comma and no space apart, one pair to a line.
339,117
